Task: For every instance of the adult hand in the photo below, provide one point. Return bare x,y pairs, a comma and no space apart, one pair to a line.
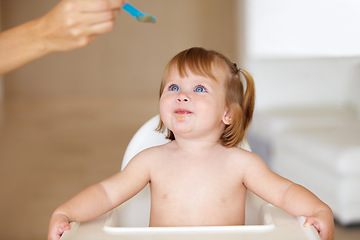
69,25
75,23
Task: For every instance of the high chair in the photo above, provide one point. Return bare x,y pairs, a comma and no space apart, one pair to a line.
131,219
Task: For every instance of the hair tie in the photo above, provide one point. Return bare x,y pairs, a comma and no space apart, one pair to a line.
237,68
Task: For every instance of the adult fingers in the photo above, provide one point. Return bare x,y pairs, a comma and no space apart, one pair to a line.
100,28
99,5
100,17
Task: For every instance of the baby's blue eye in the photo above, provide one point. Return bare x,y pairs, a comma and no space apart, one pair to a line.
174,88
199,89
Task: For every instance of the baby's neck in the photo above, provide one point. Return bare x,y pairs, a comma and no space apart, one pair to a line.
196,146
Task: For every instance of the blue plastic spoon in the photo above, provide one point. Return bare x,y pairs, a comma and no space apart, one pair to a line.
141,17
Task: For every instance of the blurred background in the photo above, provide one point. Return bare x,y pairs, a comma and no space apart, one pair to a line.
66,119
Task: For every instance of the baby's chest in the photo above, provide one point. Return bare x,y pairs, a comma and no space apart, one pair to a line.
196,182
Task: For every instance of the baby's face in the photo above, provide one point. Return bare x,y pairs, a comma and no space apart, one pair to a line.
193,104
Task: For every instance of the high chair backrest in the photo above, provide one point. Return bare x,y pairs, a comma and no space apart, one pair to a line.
147,137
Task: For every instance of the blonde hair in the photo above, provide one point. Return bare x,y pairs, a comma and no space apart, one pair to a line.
240,102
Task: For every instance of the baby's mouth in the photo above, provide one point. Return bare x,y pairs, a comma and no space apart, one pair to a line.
180,114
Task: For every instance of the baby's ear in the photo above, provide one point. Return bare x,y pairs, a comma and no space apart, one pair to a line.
227,118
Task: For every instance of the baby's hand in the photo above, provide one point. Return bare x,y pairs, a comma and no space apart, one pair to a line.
59,223
323,221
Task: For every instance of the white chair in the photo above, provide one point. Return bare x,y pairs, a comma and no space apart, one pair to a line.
131,219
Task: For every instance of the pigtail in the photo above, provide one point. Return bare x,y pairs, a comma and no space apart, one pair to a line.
248,102
240,101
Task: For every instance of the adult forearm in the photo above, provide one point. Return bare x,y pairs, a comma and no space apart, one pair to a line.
71,24
20,45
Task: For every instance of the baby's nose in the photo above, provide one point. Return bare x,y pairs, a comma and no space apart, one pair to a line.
183,98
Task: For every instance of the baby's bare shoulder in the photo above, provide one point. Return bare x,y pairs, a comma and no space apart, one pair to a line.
156,150
248,161
241,154
242,158
149,155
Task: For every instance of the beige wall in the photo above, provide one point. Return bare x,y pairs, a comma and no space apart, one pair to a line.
130,59
50,150
1,78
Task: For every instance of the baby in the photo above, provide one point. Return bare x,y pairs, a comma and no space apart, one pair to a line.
199,178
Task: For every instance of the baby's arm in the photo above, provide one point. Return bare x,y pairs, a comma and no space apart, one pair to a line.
102,197
299,201
289,196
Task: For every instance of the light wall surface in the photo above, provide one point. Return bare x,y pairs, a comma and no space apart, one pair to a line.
302,28
302,53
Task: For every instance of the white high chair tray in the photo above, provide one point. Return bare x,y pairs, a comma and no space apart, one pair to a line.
277,225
